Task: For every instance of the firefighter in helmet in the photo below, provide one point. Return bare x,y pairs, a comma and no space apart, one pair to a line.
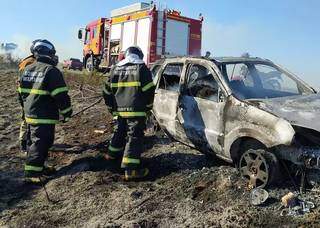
44,95
129,94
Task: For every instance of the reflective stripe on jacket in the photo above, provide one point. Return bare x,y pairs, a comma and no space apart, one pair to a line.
44,93
129,91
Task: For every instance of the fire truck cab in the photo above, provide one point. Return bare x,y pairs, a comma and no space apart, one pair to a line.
157,32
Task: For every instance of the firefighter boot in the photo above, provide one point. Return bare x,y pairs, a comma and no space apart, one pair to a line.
136,174
49,170
34,177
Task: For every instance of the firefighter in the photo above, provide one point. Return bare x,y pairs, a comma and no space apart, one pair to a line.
24,138
44,95
129,93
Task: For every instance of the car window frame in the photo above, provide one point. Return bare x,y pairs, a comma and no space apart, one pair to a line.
184,89
215,71
162,69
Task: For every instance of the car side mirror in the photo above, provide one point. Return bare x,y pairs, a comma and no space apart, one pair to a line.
80,35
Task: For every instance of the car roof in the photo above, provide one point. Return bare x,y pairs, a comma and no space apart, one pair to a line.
219,60
239,59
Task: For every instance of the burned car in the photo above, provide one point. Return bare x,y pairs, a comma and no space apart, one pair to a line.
248,111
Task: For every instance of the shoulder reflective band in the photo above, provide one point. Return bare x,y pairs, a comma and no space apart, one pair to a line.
41,121
33,91
127,160
148,86
33,168
59,90
125,84
114,149
129,114
66,110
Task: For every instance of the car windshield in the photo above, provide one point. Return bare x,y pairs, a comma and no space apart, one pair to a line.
250,80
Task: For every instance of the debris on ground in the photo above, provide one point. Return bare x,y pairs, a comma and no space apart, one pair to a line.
258,196
295,206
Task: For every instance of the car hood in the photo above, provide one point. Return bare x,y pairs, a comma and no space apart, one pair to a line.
303,110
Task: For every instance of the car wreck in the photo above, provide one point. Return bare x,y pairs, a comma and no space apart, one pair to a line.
248,111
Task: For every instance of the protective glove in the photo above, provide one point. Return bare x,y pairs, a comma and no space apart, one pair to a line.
67,116
65,119
110,110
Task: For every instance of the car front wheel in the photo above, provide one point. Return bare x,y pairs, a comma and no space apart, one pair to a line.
259,167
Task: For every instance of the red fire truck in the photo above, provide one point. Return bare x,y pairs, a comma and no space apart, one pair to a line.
157,32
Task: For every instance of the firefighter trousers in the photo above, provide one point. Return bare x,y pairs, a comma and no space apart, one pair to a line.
127,141
42,138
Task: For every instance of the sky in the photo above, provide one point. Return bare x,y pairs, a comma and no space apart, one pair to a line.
285,31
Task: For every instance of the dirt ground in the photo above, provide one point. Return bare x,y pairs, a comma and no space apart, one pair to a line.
186,188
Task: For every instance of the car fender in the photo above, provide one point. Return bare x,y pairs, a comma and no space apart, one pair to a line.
245,120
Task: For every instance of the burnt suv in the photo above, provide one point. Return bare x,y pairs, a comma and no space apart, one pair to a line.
248,111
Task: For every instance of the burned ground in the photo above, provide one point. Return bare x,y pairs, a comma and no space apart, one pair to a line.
186,188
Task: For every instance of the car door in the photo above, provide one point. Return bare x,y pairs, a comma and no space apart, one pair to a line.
201,107
167,94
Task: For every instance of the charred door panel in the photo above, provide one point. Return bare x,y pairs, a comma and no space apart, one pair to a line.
200,112
165,109
202,122
167,94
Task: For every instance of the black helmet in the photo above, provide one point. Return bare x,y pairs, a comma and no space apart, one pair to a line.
32,45
134,50
43,48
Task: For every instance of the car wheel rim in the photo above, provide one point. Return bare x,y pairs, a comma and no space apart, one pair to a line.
254,167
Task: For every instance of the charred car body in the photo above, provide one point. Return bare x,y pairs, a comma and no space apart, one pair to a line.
248,111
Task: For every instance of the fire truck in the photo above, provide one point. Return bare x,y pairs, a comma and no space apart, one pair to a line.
158,32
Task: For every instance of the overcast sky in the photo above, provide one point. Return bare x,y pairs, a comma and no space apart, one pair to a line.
285,31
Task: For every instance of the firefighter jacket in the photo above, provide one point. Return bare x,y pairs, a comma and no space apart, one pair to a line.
43,93
129,91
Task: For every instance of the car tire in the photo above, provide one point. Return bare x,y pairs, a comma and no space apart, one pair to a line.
259,167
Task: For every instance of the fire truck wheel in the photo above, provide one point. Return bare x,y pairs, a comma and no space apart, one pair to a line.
89,64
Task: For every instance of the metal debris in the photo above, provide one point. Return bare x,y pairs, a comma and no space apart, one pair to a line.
295,206
258,196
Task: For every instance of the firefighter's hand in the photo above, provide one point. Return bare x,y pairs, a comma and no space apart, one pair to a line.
149,112
110,110
65,119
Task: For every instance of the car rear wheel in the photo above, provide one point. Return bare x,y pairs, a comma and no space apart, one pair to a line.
259,167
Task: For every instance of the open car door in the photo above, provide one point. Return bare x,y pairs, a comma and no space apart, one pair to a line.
201,108
167,95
